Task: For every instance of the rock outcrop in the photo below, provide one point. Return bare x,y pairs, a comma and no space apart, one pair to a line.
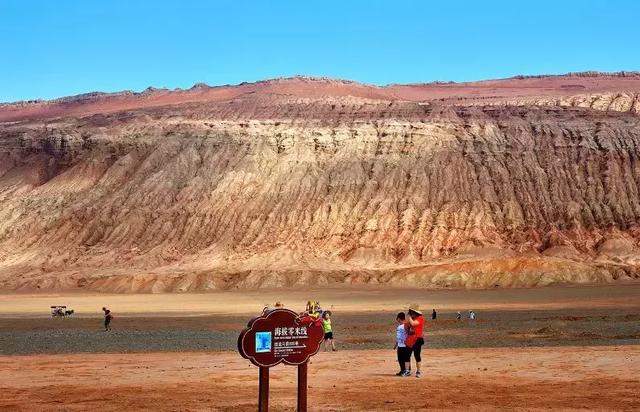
312,181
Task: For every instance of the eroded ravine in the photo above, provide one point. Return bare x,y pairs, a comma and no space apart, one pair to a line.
245,194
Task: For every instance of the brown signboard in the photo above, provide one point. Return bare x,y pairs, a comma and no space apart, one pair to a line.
280,335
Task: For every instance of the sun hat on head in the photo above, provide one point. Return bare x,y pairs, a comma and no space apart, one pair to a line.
414,307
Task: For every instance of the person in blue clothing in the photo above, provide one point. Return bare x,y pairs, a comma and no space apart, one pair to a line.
404,353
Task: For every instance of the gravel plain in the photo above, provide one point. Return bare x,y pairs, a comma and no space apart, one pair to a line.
375,330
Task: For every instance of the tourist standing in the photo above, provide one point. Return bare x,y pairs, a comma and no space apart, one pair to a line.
402,351
415,336
328,331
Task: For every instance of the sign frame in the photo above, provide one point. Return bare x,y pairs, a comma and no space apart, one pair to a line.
253,328
313,332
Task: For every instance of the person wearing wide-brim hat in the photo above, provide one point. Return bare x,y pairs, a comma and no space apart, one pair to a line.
415,336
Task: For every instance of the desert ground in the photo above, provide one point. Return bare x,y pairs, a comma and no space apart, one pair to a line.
595,378
341,298
530,349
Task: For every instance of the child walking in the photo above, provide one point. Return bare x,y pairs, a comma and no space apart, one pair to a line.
328,331
401,347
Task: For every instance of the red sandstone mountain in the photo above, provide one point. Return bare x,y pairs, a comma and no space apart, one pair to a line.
517,182
543,87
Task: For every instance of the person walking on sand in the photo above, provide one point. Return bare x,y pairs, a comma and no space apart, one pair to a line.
472,315
459,316
401,347
328,331
415,336
434,315
107,319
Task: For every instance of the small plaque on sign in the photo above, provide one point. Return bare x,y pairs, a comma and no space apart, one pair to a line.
280,335
263,342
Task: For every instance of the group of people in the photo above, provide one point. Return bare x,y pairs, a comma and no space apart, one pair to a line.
410,337
315,312
409,340
472,315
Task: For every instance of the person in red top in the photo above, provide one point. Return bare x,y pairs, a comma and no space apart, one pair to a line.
415,335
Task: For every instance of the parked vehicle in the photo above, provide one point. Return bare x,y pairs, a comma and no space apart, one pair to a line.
61,311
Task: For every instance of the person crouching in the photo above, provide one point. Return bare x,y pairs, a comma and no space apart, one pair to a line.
108,317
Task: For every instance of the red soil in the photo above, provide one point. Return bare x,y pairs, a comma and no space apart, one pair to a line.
597,378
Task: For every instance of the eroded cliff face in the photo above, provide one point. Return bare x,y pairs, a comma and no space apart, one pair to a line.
294,191
617,102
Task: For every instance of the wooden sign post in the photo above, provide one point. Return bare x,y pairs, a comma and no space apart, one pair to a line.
263,391
302,387
281,336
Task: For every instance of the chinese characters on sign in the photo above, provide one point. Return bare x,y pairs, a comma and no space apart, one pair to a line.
279,336
288,340
276,336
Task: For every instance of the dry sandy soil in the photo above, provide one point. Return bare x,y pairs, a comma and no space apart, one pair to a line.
531,349
473,379
343,299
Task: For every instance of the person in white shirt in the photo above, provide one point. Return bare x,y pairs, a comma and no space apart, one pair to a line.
404,353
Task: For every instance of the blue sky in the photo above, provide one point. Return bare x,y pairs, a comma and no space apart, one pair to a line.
57,48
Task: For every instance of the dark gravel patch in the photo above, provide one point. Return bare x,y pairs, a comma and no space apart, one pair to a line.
352,331
116,341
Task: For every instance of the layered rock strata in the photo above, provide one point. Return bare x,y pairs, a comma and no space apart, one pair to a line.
280,190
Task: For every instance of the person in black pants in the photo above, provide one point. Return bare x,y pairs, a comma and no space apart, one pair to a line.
415,337
107,319
404,353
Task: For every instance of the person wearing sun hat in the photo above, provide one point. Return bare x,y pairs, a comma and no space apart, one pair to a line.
415,335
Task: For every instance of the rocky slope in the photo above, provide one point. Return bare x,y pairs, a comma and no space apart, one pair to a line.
292,182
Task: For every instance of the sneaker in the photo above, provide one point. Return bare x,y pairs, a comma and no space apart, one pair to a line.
418,374
407,373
